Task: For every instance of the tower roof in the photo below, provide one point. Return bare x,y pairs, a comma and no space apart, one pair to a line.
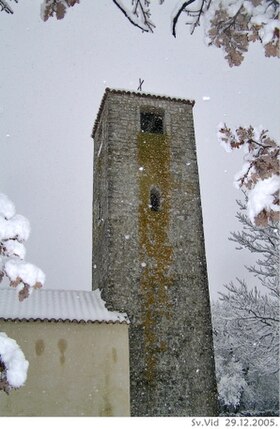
138,94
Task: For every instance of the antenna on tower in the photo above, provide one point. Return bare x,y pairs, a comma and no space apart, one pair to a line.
140,84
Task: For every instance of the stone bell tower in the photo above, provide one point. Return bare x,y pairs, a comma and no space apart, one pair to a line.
148,249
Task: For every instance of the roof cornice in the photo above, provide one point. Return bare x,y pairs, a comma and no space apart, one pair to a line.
138,94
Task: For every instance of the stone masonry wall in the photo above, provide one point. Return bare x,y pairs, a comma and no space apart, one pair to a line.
151,264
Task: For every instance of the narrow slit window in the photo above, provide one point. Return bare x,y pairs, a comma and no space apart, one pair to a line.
152,122
155,199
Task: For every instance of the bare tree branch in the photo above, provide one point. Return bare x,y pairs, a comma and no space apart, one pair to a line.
148,25
176,17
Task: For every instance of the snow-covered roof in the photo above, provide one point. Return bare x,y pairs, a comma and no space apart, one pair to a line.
139,94
58,305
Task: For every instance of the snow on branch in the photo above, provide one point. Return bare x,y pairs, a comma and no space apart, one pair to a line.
251,305
246,320
259,176
14,231
231,25
257,315
264,242
13,365
246,350
58,8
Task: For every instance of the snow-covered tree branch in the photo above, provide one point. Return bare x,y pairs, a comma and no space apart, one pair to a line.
247,363
231,380
246,321
264,242
260,173
233,24
14,231
228,24
258,311
56,8
13,365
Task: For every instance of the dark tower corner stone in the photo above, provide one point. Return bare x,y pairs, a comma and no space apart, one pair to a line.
148,249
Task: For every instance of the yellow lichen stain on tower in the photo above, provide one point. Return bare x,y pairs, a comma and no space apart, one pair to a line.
156,253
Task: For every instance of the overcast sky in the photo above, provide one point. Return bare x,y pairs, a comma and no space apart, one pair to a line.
53,76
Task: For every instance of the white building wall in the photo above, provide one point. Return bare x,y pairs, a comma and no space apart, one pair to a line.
75,369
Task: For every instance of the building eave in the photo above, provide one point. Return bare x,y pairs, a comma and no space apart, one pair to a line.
58,306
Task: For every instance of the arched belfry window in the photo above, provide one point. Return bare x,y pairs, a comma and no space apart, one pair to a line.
155,199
